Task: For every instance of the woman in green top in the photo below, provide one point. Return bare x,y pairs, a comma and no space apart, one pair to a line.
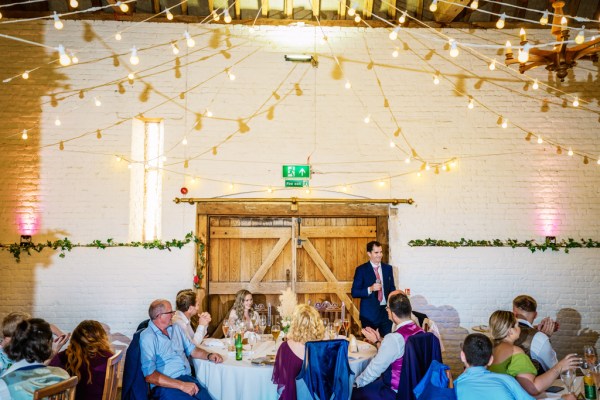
512,360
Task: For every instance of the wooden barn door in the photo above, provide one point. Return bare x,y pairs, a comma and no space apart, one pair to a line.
313,248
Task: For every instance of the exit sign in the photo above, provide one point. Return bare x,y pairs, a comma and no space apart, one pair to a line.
296,183
296,171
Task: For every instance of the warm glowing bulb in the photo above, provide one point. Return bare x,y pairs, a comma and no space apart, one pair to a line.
504,123
74,58
184,141
134,59
407,160
580,38
392,144
347,85
270,189
523,56
209,113
357,18
394,34
471,104
345,188
24,135
74,3
25,75
540,140
0,15
427,167
231,76
227,17
395,53
500,23
124,7
57,22
444,167
453,49
453,163
175,48
536,85
64,59
97,102
544,19
402,18
598,162
119,158
474,5
492,65
436,80
118,36
508,48
131,76
570,152
381,183
57,122
563,22
576,102
351,12
215,16
433,6
169,15
307,191
367,119
189,40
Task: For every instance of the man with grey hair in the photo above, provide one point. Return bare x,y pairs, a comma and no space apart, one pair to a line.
164,350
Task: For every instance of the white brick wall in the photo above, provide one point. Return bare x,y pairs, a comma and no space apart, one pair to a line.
503,186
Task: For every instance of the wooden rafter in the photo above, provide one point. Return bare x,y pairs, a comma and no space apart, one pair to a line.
289,8
265,8
211,6
367,9
391,12
316,8
342,9
237,10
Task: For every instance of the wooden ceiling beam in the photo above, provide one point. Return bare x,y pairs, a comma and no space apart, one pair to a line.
288,9
342,10
237,9
265,8
316,8
184,8
392,12
447,12
367,9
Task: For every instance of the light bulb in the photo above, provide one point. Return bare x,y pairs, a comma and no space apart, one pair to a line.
427,167
215,16
392,144
474,5
402,18
444,167
64,59
74,58
169,15
227,17
347,85
184,141
131,76
570,153
124,7
523,56
508,48
523,35
189,40
97,102
433,6
381,183
580,38
576,102
175,48
395,53
357,18
500,23
598,162
536,85
25,75
563,22
504,123
270,189
118,157
57,122
74,3
57,22
492,65
453,49
24,135
118,36
540,140
0,15
436,79
231,76
367,119
544,19
134,59
209,113
407,160
394,34
471,104
453,163
351,12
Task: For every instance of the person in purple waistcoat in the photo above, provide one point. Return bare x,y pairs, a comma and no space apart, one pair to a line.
381,378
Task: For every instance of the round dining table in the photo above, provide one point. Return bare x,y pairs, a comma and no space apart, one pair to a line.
244,379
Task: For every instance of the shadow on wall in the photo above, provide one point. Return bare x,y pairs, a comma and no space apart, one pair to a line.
448,321
571,337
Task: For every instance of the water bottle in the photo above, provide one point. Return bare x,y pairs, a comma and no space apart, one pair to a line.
239,346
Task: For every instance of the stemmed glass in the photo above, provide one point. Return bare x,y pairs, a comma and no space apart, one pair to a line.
568,378
251,342
225,327
337,324
325,322
262,324
346,324
331,331
589,352
275,329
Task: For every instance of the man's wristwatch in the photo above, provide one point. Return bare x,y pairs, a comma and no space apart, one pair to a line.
208,356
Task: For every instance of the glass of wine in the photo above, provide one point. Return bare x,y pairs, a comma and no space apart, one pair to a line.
262,324
331,331
346,324
251,341
275,329
337,324
568,378
225,326
589,353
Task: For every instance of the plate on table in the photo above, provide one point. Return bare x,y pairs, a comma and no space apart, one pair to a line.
267,360
481,328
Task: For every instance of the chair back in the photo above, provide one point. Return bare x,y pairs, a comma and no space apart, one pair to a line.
420,350
134,383
325,373
112,376
437,384
64,390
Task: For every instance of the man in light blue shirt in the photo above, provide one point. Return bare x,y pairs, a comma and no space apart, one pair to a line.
477,382
164,349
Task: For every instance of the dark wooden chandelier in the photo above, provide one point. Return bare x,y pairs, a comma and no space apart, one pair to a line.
561,58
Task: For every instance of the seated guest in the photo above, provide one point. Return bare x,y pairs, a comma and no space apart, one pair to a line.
242,308
86,357
534,341
388,360
512,360
187,307
164,352
9,324
30,346
477,382
306,326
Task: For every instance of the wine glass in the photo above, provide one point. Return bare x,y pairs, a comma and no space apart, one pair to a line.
331,331
346,324
262,324
325,322
337,324
225,326
251,341
254,321
589,352
568,378
275,329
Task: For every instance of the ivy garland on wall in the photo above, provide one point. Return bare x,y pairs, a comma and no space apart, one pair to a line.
64,245
532,245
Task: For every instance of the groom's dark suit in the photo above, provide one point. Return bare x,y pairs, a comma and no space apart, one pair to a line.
371,312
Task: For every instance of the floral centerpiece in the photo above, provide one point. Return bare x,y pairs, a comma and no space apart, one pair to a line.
287,304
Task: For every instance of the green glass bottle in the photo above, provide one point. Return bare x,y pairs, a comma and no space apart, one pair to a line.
239,347
589,387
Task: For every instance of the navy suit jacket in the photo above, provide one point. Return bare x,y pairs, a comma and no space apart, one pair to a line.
364,276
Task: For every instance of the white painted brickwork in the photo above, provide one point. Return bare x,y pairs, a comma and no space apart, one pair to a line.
502,187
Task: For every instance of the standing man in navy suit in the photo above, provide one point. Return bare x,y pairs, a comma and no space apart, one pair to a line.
373,281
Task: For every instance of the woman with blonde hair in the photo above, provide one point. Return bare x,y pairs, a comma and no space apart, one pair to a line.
242,308
306,326
86,357
512,360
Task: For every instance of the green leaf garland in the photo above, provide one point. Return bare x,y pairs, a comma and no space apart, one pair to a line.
532,245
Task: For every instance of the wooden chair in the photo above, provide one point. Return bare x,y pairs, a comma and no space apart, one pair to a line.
64,390
112,376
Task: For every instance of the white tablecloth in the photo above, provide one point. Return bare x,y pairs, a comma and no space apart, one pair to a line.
241,380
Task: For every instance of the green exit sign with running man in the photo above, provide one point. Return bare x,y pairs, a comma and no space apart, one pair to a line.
296,171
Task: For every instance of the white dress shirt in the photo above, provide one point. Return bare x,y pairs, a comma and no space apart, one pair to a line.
380,271
541,349
180,319
391,349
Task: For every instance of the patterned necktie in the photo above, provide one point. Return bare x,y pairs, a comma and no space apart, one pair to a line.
380,292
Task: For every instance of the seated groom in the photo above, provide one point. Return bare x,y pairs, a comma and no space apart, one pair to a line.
164,350
373,282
